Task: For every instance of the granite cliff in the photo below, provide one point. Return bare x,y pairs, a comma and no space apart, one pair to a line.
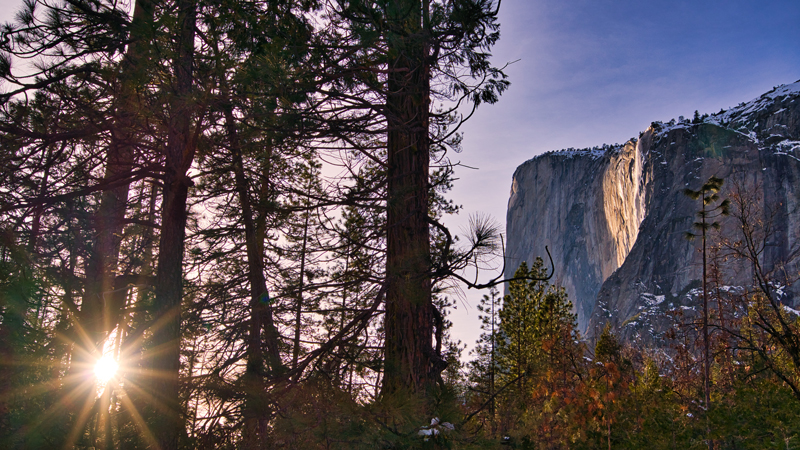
615,218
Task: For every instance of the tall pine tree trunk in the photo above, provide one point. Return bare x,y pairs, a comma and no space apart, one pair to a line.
298,312
163,365
99,310
255,410
409,318
100,305
131,348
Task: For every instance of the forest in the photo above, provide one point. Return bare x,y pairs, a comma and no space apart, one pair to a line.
221,227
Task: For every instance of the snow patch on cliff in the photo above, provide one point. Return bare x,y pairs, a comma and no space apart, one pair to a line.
594,152
739,118
744,111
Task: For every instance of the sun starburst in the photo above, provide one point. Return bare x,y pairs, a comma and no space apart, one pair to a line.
105,369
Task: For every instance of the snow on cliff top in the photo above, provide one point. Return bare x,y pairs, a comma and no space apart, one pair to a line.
569,153
738,117
594,152
738,113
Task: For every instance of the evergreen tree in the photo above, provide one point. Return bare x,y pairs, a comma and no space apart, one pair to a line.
708,195
417,45
484,368
195,116
532,313
537,349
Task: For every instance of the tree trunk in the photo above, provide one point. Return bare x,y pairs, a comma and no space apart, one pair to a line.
706,346
255,411
163,365
298,312
99,310
131,347
100,306
409,322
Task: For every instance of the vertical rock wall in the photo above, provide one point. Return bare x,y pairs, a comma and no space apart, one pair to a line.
615,218
585,206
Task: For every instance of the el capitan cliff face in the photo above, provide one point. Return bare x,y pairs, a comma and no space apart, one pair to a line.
615,219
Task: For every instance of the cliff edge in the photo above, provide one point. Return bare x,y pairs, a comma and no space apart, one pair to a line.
615,217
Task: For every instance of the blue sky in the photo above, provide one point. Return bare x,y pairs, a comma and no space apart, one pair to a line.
600,71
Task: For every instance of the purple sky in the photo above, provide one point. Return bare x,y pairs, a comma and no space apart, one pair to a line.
600,71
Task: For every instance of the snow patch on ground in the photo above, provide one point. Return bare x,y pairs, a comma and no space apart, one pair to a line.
788,146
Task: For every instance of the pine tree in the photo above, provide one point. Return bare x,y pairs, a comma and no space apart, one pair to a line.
417,45
537,345
532,312
113,160
708,194
484,369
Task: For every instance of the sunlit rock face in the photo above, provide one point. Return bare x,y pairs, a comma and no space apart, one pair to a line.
586,206
615,218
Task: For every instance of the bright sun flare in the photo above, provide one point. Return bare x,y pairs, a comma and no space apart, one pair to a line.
105,368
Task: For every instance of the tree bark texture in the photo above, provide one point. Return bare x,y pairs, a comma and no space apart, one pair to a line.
409,317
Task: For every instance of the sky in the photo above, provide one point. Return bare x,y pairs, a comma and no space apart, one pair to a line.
590,72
